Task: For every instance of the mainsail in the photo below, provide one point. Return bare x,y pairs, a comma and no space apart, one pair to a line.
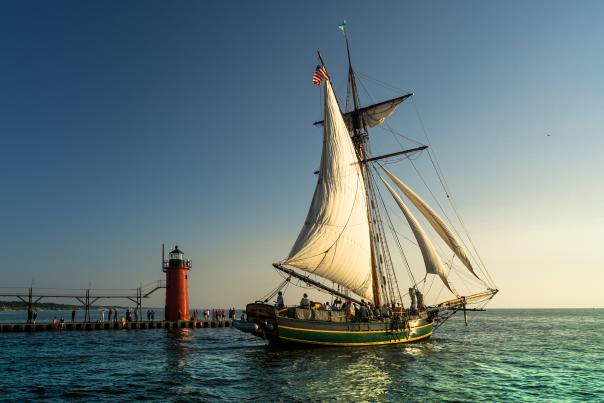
334,241
435,221
373,115
431,259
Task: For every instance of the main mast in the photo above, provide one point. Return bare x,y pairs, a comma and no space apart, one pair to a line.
359,139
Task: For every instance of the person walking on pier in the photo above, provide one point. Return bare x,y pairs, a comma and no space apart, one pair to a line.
61,323
73,312
34,317
103,315
115,315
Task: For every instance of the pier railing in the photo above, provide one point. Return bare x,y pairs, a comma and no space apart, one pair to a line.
86,297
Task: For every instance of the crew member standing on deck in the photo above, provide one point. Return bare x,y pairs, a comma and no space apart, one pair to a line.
280,303
305,302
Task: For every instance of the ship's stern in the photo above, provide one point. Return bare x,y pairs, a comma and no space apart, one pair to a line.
261,321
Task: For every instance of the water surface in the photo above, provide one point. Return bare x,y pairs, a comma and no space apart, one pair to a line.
503,355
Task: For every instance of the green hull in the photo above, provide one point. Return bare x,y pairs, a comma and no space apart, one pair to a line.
286,330
354,337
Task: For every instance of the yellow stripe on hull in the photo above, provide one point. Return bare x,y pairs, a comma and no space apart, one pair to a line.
375,343
348,331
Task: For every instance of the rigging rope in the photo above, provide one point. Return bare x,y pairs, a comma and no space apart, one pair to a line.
445,187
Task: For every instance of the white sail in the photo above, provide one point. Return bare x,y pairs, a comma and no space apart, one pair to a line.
376,114
435,221
431,259
373,115
334,241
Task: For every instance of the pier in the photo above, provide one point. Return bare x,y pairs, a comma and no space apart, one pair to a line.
177,312
162,324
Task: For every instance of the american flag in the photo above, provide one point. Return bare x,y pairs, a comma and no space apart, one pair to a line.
320,75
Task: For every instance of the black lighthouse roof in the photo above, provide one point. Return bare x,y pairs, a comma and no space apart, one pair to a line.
176,250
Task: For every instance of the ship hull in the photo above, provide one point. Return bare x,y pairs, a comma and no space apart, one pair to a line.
264,321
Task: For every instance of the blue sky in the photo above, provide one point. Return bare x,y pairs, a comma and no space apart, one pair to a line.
125,125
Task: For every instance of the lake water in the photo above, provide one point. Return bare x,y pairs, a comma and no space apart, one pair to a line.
503,355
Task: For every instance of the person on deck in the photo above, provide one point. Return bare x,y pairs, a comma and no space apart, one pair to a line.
337,305
350,310
280,302
413,301
73,312
327,306
398,310
420,300
377,313
386,311
363,312
305,302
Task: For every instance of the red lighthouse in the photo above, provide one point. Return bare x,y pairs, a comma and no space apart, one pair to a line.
177,289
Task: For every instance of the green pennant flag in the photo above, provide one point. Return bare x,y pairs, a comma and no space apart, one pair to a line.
342,26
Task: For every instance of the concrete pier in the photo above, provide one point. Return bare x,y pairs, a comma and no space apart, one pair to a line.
163,324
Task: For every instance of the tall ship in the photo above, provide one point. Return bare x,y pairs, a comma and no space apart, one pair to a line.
345,247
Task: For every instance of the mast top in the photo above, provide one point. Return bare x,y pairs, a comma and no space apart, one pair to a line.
320,58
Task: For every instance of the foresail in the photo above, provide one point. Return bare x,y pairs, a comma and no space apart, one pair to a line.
373,115
435,221
432,261
334,241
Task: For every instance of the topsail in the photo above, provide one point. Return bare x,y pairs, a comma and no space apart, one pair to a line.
435,221
334,241
373,115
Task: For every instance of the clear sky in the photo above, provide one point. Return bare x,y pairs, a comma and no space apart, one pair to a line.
127,124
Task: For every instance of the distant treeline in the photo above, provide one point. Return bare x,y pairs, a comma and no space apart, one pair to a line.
45,306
